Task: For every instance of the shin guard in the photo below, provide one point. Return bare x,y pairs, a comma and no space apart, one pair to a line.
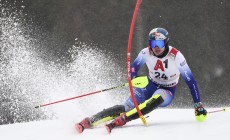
107,114
146,107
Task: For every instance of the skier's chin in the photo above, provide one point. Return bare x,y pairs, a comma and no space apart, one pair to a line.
158,52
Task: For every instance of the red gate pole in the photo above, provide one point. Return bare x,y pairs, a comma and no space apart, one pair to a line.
129,59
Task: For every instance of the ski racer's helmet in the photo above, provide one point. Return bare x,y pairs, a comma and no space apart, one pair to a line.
158,37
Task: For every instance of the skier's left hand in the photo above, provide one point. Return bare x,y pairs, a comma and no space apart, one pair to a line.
200,112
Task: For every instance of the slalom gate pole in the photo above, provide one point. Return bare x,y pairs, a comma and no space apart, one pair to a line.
129,60
219,110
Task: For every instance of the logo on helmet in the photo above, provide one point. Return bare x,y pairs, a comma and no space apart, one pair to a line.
156,34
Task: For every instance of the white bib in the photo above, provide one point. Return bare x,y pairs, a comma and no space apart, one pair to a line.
163,71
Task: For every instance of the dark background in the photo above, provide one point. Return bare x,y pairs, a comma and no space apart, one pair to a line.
198,28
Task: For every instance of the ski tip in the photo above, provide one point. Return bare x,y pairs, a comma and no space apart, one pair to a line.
37,106
108,129
79,128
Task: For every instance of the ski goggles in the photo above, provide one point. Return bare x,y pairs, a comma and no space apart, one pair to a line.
157,43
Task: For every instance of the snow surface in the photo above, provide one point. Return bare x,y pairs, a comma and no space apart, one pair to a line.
163,124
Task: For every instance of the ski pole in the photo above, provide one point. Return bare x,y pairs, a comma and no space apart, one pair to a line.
139,82
219,110
80,96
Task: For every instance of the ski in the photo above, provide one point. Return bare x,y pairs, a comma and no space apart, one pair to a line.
109,128
79,128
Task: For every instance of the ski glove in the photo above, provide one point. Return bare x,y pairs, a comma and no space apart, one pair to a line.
200,112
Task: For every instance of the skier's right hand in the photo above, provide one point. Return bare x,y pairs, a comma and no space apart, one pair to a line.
200,112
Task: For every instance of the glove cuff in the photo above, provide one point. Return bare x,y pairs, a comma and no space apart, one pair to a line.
198,105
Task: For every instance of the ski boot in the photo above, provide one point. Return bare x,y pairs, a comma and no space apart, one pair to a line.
119,121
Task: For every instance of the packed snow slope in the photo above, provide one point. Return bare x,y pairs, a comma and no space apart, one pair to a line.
163,124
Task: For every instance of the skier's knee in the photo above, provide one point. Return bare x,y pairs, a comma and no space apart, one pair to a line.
166,95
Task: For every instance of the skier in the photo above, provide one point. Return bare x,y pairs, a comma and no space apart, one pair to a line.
165,64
